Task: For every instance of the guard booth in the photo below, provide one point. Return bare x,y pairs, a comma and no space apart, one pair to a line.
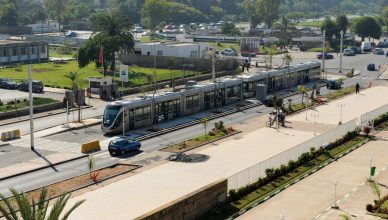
109,92
96,82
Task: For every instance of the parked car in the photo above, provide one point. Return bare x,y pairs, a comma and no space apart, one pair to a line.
349,52
138,30
333,84
383,44
3,82
366,46
356,49
378,51
37,86
71,34
371,67
229,52
123,145
268,102
11,85
327,56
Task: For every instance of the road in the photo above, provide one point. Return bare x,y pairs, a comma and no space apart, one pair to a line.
149,148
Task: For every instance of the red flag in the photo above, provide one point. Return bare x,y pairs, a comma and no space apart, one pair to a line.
100,56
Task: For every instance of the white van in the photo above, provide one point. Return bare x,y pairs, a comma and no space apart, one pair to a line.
366,46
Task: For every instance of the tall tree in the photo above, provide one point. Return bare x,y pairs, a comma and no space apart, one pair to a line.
367,27
36,210
342,22
269,10
56,9
112,33
384,17
331,29
251,12
154,12
8,12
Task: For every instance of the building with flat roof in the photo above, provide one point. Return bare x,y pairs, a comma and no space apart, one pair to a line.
189,50
23,51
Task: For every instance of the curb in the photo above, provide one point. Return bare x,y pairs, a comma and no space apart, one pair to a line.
5,144
43,167
43,116
73,129
297,180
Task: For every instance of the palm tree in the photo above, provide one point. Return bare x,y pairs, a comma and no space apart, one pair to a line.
271,53
73,76
112,34
35,210
205,122
287,59
302,91
376,190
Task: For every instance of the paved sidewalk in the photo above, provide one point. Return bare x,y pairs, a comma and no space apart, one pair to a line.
313,196
156,187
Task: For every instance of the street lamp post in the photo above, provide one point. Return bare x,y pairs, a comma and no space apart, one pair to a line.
323,51
341,105
306,102
31,107
341,50
335,206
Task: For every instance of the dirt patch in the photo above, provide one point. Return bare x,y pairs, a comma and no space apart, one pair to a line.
78,182
43,70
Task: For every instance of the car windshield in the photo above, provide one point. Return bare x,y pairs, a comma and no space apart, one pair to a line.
110,114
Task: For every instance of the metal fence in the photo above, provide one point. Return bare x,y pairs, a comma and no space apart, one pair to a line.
252,173
54,96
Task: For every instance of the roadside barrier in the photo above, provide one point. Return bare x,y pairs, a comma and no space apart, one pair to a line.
10,135
90,147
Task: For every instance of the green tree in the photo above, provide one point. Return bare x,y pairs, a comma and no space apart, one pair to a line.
74,77
228,28
384,16
367,27
284,23
331,30
205,122
35,210
251,12
8,12
376,190
112,34
342,22
56,9
287,59
269,10
154,12
271,52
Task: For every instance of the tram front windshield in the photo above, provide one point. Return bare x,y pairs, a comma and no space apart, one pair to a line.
110,114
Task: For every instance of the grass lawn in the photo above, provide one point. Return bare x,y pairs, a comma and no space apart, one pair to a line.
340,93
37,101
193,143
54,74
54,53
309,23
319,50
264,191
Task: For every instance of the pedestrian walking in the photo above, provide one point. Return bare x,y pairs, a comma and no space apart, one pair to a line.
243,67
357,88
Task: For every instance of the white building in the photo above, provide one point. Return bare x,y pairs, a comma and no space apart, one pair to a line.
44,27
22,51
189,50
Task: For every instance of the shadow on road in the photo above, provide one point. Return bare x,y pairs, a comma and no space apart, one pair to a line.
45,159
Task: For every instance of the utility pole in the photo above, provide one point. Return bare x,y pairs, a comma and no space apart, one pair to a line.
341,50
31,107
323,51
213,67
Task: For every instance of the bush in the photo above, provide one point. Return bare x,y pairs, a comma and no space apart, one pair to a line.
233,195
369,207
269,173
1,104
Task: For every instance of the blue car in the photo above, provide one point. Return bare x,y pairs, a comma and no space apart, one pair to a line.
123,145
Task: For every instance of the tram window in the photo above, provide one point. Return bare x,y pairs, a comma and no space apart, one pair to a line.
143,113
110,114
192,101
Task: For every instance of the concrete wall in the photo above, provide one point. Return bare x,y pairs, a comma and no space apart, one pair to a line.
25,111
177,62
191,206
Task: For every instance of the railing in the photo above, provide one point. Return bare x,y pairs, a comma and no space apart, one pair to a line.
252,173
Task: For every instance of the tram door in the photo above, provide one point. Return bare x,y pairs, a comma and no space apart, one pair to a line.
131,119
